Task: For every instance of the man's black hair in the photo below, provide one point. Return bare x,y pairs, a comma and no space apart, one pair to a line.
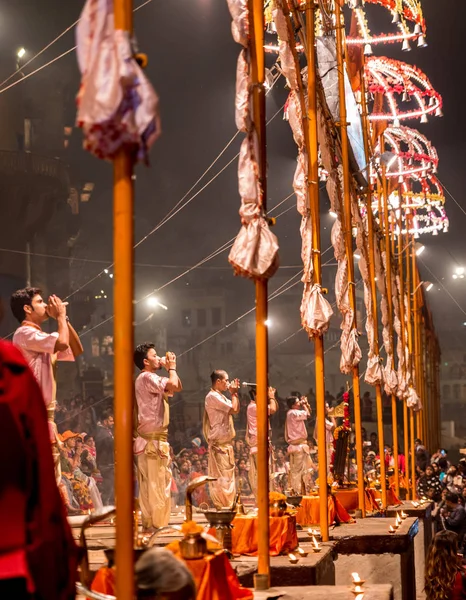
452,497
141,353
252,393
217,375
291,401
20,299
106,414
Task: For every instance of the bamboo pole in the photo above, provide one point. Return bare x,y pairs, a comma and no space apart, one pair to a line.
417,341
371,257
313,183
262,578
123,204
388,270
403,341
340,52
410,345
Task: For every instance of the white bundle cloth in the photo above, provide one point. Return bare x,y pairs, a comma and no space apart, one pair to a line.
117,106
255,251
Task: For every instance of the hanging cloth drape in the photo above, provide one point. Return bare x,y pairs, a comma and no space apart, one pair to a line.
316,311
255,251
117,106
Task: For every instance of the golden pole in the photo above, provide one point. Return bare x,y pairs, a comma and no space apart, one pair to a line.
410,345
313,183
417,341
123,201
262,578
388,270
424,380
371,257
347,214
403,341
348,234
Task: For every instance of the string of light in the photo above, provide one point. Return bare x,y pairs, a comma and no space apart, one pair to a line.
214,254
24,77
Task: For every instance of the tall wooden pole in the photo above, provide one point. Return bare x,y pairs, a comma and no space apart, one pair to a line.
416,337
371,263
340,52
388,270
262,578
123,201
313,183
411,350
403,339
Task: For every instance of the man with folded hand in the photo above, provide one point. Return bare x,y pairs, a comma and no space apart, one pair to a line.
219,433
151,444
42,350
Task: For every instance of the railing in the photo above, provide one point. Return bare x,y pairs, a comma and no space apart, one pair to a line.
12,162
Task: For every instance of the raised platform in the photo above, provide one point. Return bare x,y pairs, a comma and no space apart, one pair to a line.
422,541
314,569
371,592
377,555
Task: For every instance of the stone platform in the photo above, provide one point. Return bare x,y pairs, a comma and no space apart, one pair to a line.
367,547
422,541
371,592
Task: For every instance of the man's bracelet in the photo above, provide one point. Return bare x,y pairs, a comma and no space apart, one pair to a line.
172,369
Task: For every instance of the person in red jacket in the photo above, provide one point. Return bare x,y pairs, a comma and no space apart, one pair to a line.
38,557
390,460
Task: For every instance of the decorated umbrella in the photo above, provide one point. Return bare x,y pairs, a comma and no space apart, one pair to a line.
392,82
408,25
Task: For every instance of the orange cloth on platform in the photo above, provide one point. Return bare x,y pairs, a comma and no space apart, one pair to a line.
104,581
213,575
309,511
392,498
216,580
348,498
283,535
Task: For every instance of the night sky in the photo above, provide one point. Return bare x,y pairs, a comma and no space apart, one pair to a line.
192,61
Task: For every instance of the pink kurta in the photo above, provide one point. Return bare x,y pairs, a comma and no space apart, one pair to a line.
251,431
218,408
295,425
149,388
38,348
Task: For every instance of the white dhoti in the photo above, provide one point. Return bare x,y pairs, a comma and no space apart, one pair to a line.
222,467
301,467
253,471
155,480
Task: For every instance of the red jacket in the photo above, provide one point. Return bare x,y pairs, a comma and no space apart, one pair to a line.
401,462
35,541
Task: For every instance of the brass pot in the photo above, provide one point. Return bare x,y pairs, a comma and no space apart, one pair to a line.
294,500
193,546
277,508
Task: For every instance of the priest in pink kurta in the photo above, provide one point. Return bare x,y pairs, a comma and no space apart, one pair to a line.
151,446
301,463
251,435
219,432
42,350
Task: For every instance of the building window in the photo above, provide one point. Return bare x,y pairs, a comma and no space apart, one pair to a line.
446,392
201,317
216,316
186,318
456,391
